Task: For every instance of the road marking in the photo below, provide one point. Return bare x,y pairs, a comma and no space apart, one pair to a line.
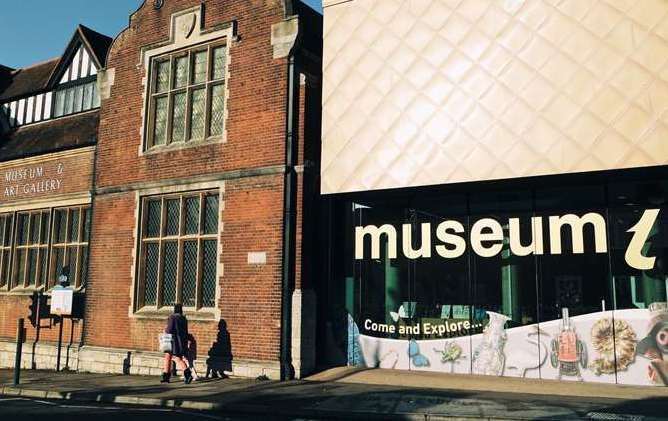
116,408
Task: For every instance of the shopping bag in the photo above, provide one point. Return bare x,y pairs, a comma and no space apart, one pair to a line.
165,342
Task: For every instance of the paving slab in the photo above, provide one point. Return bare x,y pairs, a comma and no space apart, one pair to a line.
336,394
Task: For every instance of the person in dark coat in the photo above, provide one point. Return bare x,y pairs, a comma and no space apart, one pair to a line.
177,326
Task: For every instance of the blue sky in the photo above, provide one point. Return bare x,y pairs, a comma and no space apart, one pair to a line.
36,30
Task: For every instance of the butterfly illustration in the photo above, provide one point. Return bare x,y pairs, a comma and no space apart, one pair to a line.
401,312
417,359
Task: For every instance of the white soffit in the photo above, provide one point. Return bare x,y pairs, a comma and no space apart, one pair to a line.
421,92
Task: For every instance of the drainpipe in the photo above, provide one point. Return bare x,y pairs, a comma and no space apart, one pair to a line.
289,219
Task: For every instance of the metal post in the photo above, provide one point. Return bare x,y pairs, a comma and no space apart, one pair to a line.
60,342
33,364
19,351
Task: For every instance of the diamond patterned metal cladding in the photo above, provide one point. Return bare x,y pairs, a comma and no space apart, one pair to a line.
83,266
198,114
160,129
199,71
191,224
189,273
74,226
439,91
217,109
210,214
209,266
162,76
153,218
32,266
151,257
179,117
169,270
181,73
172,213
219,63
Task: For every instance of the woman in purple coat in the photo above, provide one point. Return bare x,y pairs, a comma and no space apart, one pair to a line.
177,326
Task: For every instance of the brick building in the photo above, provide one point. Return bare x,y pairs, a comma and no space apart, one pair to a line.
204,176
196,178
49,115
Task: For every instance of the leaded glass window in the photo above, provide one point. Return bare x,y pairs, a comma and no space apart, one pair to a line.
32,245
76,97
187,96
69,246
36,245
179,250
6,230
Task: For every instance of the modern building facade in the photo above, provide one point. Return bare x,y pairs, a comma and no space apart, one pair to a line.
495,188
194,184
49,114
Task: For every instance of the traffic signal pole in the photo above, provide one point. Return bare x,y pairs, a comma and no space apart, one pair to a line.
19,350
60,342
38,322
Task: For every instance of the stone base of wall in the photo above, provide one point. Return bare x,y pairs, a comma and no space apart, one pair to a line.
303,332
45,356
91,359
125,361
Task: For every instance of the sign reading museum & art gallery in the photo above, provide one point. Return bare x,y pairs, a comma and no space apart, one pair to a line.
33,180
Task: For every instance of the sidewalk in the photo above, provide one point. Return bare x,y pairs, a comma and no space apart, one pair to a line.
354,394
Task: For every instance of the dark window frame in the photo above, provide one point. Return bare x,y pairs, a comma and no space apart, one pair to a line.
191,85
180,238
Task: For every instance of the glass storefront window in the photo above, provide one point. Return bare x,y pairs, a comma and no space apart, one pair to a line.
527,280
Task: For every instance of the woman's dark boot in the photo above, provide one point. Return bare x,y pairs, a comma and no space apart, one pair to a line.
165,378
188,377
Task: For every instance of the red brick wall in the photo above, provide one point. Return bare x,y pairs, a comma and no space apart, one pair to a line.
252,216
14,307
251,295
256,103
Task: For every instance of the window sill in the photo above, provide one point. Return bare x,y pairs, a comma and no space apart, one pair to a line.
30,291
178,146
164,313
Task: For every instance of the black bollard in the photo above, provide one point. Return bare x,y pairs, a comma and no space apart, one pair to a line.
19,350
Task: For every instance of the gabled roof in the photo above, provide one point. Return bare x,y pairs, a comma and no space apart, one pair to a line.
96,43
41,76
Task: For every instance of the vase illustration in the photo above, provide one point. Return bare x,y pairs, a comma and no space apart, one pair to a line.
488,357
568,351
